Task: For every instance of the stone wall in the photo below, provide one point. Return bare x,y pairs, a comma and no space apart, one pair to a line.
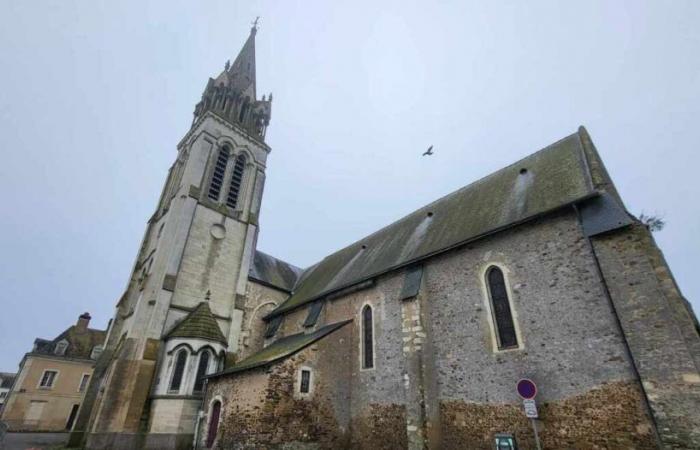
659,328
439,379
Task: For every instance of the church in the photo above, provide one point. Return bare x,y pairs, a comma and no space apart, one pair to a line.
413,337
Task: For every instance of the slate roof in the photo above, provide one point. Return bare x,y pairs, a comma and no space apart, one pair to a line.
198,324
273,272
6,379
80,342
280,349
561,174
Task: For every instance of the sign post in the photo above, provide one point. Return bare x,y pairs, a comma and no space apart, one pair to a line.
527,389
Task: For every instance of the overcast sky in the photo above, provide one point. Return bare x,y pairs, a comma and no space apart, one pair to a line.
96,95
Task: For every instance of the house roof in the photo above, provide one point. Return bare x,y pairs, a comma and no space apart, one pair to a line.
81,342
561,174
6,379
280,349
273,272
198,324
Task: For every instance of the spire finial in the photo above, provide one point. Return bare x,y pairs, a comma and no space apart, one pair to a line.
207,296
227,65
255,25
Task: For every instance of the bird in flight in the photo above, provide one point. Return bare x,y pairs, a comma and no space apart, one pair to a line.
429,151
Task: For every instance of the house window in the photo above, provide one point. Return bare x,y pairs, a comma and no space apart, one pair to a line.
367,338
236,181
178,372
72,416
96,352
500,308
48,379
61,348
305,382
217,178
83,382
201,371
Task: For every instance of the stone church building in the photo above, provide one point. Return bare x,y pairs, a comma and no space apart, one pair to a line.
412,337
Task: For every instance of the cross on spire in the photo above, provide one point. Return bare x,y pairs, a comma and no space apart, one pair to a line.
255,23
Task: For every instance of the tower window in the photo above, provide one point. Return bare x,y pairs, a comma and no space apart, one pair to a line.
500,307
236,181
367,338
201,371
178,372
217,178
305,382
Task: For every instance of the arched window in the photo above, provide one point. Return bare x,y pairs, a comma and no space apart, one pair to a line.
500,307
201,370
367,338
179,370
236,181
213,423
244,110
217,178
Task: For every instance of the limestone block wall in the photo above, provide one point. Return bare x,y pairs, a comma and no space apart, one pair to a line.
258,302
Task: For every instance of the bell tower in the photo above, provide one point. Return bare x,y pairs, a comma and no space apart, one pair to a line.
190,274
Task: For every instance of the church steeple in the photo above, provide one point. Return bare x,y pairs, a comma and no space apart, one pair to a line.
233,96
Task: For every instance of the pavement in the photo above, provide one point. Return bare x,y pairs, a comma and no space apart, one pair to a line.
34,441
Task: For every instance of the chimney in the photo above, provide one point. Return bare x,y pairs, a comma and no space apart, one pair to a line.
83,321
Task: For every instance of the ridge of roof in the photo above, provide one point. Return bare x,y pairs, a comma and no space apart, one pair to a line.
198,324
281,349
559,174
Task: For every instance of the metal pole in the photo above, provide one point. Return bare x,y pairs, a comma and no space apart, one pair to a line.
537,438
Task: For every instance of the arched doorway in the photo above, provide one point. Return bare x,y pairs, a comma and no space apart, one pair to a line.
213,423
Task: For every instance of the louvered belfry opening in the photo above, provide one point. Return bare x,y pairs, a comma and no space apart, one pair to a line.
505,327
236,181
217,179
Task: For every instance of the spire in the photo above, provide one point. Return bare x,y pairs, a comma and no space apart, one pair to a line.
242,71
233,96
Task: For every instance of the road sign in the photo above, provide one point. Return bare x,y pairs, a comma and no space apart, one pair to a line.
530,408
526,389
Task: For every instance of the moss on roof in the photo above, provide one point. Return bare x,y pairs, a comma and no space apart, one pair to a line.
553,177
81,341
280,349
274,272
198,324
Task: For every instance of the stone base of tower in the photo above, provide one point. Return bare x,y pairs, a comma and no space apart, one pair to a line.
131,441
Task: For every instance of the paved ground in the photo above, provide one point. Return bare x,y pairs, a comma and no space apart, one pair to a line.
43,441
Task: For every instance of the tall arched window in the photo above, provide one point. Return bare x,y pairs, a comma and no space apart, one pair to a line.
217,178
367,338
236,181
500,307
213,423
201,370
244,110
179,370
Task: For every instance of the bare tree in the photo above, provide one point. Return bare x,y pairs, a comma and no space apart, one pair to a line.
655,222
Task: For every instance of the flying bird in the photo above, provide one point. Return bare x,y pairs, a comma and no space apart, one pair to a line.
429,151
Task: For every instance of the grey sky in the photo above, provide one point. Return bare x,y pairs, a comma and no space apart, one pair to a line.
96,95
